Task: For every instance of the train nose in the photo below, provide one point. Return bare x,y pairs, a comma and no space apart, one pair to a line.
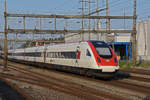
108,62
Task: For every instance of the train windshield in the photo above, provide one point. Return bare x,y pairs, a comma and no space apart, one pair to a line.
104,52
102,49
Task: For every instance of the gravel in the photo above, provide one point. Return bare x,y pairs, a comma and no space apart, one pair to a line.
39,93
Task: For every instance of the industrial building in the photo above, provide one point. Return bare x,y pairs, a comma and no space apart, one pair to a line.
143,40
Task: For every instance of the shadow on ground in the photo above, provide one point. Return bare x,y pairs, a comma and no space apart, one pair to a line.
119,76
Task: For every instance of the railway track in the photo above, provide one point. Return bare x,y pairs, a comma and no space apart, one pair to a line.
140,79
73,87
136,74
137,71
123,84
67,87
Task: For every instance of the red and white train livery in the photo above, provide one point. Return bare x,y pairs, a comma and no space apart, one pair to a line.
95,56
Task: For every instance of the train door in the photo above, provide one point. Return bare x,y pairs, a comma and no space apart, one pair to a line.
88,58
78,54
24,54
85,59
35,59
44,57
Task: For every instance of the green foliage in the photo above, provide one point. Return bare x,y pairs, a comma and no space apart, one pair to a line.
128,64
125,64
28,44
143,64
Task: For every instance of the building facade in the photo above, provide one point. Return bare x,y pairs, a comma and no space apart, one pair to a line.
143,39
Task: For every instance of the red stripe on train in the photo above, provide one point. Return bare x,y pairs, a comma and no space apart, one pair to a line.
104,62
78,55
94,52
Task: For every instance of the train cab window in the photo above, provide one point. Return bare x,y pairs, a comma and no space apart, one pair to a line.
88,53
104,52
102,49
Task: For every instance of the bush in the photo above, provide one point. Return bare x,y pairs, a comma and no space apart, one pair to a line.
129,64
125,64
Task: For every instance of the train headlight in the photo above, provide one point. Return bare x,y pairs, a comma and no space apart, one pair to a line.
98,60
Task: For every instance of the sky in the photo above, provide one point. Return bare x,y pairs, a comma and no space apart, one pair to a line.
71,7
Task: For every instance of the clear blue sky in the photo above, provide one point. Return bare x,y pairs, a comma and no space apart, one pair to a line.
71,7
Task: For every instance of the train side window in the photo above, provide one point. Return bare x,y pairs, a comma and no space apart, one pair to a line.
54,54
88,53
60,55
49,55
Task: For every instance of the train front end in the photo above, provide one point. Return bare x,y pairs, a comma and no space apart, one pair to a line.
105,58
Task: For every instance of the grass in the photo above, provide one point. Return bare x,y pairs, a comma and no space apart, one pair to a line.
128,64
125,64
144,64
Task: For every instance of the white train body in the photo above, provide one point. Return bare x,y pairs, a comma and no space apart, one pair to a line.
83,55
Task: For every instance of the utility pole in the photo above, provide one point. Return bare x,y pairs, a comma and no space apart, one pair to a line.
124,21
5,40
65,28
55,24
107,20
24,23
82,1
15,42
40,24
89,8
97,19
107,14
134,52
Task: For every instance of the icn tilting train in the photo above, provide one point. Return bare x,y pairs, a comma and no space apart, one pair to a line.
83,57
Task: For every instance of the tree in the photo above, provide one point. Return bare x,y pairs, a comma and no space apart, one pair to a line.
28,44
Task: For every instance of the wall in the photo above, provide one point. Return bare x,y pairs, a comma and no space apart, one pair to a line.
143,39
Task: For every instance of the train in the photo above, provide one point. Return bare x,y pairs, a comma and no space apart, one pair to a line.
88,57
